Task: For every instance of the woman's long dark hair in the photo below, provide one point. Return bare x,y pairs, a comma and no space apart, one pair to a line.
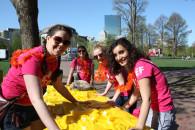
52,30
134,55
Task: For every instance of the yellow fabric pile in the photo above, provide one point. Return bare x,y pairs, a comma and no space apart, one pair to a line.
96,115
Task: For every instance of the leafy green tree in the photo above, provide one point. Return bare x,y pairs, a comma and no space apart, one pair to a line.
3,45
109,40
81,41
193,49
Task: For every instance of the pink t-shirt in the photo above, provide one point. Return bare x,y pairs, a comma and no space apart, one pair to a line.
13,84
83,68
161,99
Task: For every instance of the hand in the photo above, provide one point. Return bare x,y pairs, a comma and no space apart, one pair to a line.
111,102
135,129
126,105
101,94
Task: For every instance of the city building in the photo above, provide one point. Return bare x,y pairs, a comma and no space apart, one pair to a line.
112,25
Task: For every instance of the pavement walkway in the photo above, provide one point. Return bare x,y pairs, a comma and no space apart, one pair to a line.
182,85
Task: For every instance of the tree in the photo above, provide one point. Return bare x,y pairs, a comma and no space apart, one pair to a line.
16,42
3,45
129,10
160,27
109,40
176,27
141,31
27,11
151,36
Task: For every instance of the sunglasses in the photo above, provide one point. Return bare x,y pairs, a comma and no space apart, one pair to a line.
79,51
59,40
99,55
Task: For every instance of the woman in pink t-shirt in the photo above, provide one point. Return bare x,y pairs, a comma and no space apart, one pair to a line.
83,66
122,91
31,71
157,109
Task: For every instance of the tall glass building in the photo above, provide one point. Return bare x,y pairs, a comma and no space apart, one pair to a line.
112,24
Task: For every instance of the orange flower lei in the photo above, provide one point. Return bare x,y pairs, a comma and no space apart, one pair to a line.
14,59
100,74
128,85
84,65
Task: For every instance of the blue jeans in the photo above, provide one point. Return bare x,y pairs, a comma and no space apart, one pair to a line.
121,100
161,120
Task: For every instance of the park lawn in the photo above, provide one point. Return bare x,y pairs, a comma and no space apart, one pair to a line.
174,64
166,64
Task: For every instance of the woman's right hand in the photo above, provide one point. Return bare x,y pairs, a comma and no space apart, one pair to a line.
126,105
101,94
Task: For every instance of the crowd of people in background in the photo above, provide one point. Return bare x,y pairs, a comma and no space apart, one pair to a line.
125,68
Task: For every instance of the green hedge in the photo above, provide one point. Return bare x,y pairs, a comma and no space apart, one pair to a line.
4,66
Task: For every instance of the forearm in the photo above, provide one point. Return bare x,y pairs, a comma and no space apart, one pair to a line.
69,79
116,94
65,93
108,86
44,114
145,92
70,76
132,100
143,114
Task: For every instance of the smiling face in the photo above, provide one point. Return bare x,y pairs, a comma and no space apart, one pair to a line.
58,43
82,52
98,54
121,55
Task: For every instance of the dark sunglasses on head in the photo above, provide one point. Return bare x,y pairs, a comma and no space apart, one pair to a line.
60,40
81,51
99,55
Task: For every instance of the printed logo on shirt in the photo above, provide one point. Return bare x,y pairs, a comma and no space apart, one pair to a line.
139,70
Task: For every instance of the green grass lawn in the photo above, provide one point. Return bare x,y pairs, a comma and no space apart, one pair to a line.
164,63
174,64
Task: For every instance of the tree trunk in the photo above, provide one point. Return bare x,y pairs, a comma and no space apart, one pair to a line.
27,11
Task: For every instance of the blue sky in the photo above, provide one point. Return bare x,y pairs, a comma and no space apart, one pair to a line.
87,16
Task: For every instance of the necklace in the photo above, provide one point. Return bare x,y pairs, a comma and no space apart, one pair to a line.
128,85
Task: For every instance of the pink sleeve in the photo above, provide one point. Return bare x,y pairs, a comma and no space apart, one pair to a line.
73,63
31,66
143,70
